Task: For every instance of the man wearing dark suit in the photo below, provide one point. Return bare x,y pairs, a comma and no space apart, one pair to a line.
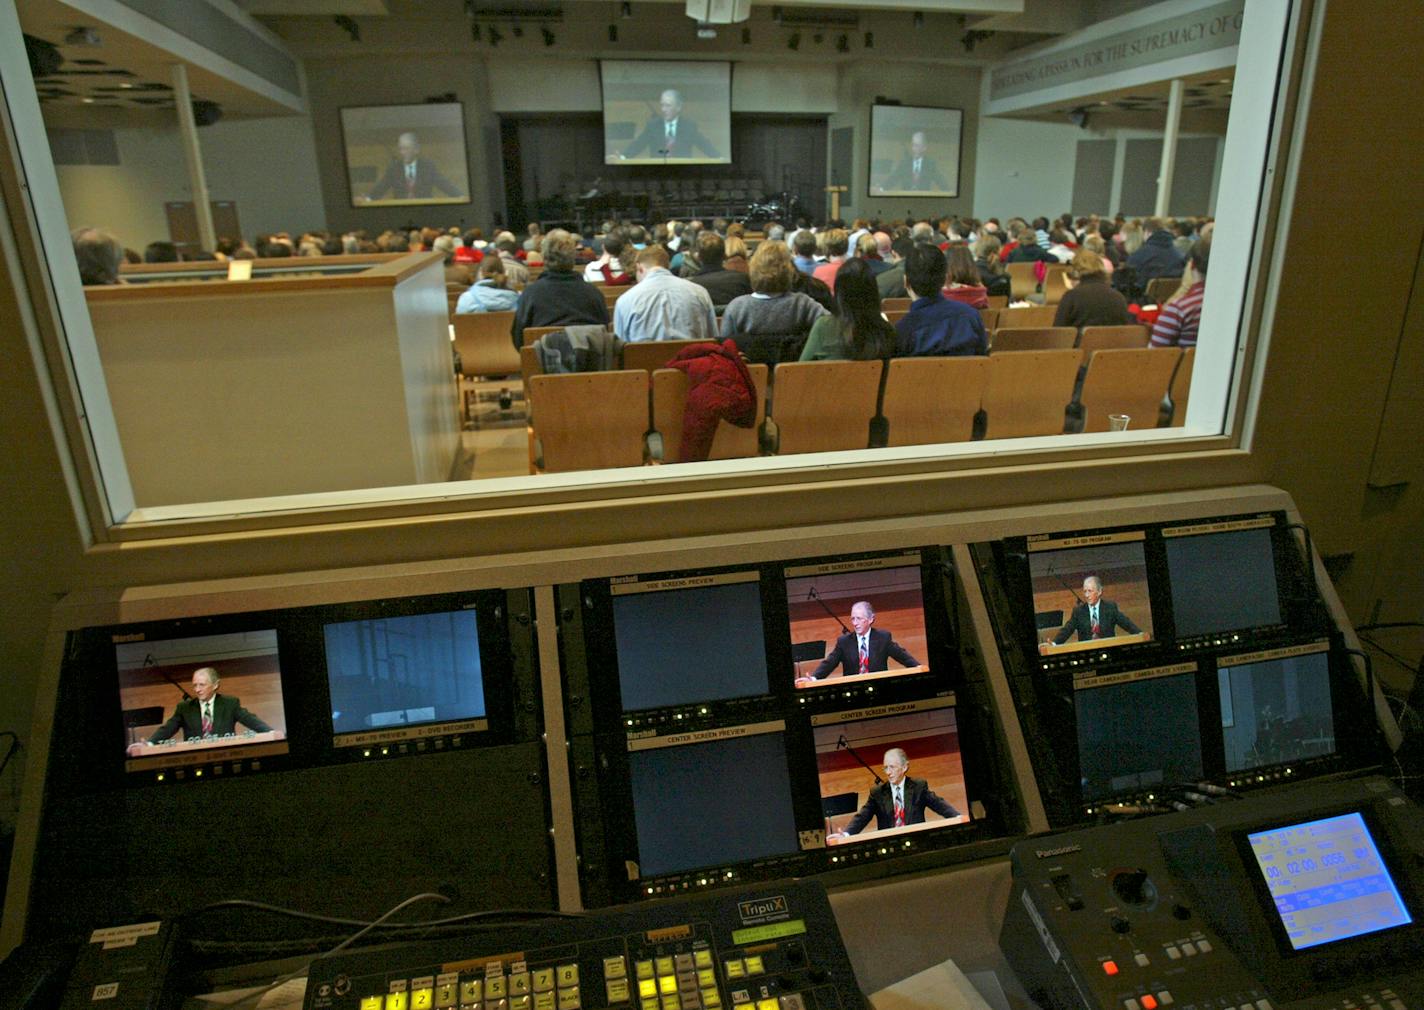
410,177
209,714
669,134
864,650
900,801
915,171
1095,617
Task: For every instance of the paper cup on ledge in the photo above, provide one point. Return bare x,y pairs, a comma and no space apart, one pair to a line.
1118,422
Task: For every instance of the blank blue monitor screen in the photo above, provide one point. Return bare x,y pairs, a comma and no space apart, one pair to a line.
1223,582
1328,880
1276,711
392,672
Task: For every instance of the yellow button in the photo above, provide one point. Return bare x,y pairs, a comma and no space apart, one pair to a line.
615,967
472,991
650,1004
543,979
519,1003
494,987
397,1001
710,997
372,1002
644,969
705,977
768,1004
544,1000
754,966
569,998
667,984
735,969
519,984
647,987
741,999
617,990
567,975
422,999
497,1004
670,1002
664,966
445,995
703,958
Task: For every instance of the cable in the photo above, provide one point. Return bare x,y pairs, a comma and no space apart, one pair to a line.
1392,655
1380,625
14,746
295,913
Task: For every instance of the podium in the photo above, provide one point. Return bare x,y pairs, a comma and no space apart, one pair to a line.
835,192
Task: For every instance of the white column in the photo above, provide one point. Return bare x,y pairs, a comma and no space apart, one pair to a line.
198,182
1169,147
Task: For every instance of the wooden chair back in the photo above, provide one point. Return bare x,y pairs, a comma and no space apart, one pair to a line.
533,333
1055,283
589,420
888,305
670,401
650,355
1102,338
932,400
1131,381
990,318
896,315
1032,338
1159,289
820,406
1031,315
1023,281
998,301
1027,392
482,339
1182,386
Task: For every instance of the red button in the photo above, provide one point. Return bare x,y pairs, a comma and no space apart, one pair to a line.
1110,967
1149,1002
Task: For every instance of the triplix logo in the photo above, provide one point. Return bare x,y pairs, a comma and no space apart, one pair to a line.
762,908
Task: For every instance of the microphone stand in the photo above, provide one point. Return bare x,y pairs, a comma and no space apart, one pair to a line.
813,596
841,743
148,661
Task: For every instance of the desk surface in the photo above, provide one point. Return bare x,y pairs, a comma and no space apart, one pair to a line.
1094,643
856,678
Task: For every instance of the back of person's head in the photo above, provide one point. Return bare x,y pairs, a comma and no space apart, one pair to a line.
867,246
736,229
653,256
771,270
1095,243
922,233
1186,227
558,248
1059,237
719,225
332,247
736,246
227,245
902,245
445,245
961,266
1132,237
925,270
805,242
470,237
858,306
398,243
1152,224
428,237
1040,224
274,250
506,242
98,254
160,252
776,233
1087,265
613,243
1200,256
711,250
882,243
492,268
837,242
1026,237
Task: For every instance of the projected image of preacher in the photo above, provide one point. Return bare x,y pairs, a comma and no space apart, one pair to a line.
669,134
916,170
409,176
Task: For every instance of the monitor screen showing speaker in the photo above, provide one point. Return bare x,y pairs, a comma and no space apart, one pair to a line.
406,155
666,112
914,151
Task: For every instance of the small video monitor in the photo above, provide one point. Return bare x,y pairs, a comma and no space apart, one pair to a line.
404,677
689,639
1090,592
710,799
857,620
1137,730
1223,579
1328,880
190,701
1276,707
887,775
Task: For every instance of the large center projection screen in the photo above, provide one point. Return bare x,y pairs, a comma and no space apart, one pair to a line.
659,112
914,151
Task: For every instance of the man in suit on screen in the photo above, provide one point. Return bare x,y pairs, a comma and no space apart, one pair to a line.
1095,617
865,650
409,176
900,801
670,134
916,171
209,714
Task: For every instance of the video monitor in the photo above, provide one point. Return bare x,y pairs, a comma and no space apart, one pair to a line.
1276,706
689,639
866,760
406,155
1223,576
666,112
405,677
859,620
711,798
914,151
1328,880
1137,730
1090,592
191,701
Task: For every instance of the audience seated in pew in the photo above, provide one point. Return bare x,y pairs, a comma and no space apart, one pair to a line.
773,307
616,264
1157,256
560,296
963,284
491,293
1180,318
858,331
721,283
935,325
1092,302
662,306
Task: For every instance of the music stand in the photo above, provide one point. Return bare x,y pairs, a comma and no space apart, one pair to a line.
801,652
136,717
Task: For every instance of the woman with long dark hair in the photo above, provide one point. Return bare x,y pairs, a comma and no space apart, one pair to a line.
858,331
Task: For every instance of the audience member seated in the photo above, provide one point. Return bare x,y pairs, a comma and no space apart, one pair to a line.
534,243
1157,257
722,284
964,285
935,325
837,246
98,254
867,250
736,254
160,252
991,267
559,297
891,283
1093,242
457,275
1061,246
684,261
1181,317
858,331
472,245
615,267
805,246
332,246
1028,250
773,307
507,246
491,293
662,306
1091,302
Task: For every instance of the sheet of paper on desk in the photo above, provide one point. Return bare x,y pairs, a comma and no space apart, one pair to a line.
287,996
943,987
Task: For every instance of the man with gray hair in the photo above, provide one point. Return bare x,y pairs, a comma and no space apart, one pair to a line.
866,649
410,177
507,246
669,135
98,254
898,802
1093,617
206,715
560,296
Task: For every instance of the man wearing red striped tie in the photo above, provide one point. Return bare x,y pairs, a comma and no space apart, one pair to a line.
209,713
866,649
899,801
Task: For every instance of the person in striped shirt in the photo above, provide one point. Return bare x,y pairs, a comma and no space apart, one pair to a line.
1181,316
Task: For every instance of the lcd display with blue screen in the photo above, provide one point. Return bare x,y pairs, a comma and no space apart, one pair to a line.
396,678
1223,581
1328,880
